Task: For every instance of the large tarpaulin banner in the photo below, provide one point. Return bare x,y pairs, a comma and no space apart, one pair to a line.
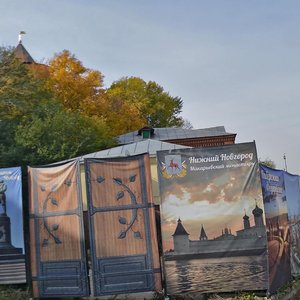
292,193
277,227
213,229
57,249
123,237
12,256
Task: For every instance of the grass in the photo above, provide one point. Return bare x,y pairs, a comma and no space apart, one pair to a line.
12,292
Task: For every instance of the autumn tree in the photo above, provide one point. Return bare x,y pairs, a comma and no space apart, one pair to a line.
133,103
128,104
75,86
124,102
34,127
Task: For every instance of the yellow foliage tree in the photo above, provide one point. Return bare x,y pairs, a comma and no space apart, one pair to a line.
77,87
128,104
124,104
133,103
123,117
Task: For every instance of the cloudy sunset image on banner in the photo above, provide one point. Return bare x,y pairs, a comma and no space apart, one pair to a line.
213,225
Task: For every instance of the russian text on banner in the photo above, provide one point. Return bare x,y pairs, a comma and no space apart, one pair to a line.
213,229
277,227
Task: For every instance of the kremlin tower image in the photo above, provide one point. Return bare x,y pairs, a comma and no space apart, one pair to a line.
251,240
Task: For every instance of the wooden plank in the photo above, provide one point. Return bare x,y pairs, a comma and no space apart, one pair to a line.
32,249
35,289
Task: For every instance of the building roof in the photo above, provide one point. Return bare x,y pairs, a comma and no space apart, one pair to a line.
146,146
22,54
165,134
180,229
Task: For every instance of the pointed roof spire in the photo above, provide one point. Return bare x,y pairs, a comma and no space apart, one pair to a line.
180,230
21,53
203,235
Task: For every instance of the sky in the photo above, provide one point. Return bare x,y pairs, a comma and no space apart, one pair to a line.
233,63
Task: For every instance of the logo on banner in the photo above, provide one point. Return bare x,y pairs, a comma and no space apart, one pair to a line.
173,167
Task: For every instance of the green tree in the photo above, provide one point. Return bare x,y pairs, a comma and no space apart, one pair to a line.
133,103
34,127
55,134
20,94
161,109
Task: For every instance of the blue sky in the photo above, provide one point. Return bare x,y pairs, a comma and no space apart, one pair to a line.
234,63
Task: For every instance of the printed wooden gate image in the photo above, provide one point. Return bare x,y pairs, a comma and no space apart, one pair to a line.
123,237
58,260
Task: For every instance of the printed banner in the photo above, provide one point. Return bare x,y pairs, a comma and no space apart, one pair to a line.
292,193
12,256
213,228
123,236
57,248
277,227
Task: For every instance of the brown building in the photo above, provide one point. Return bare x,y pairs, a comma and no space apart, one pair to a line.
37,69
206,137
22,54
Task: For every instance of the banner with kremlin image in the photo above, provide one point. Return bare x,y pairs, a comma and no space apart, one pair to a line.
213,224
